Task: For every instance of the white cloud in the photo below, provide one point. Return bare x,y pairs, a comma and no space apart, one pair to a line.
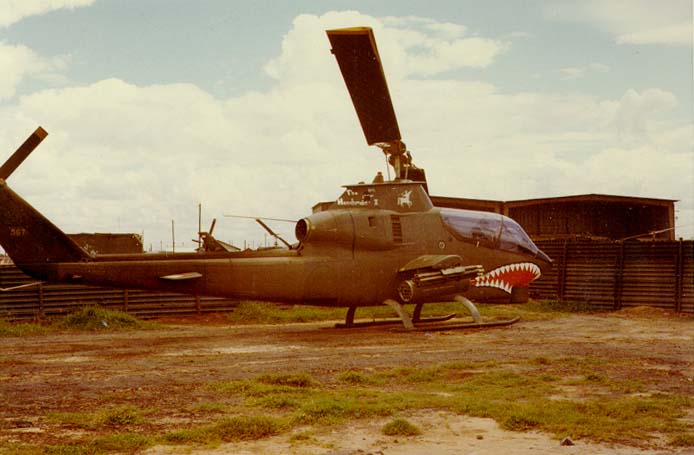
577,72
12,11
670,34
136,157
631,21
19,62
408,46
633,117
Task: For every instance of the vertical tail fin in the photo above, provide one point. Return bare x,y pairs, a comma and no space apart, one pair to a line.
27,236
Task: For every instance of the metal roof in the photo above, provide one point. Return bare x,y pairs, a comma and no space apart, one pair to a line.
575,198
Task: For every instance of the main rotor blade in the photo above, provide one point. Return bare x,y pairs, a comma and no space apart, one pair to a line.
22,152
360,65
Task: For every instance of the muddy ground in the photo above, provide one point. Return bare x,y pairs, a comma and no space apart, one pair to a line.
165,368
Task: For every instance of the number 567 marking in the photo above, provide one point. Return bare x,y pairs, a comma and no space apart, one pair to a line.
17,232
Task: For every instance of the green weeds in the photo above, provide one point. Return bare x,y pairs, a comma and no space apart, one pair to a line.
252,312
9,329
400,427
117,416
88,318
237,428
585,398
93,318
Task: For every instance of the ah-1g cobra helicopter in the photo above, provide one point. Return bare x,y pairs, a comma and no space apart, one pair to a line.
379,243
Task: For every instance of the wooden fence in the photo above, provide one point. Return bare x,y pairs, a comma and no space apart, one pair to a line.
47,300
606,275
615,275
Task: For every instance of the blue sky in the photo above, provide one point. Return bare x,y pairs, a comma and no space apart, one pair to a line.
154,106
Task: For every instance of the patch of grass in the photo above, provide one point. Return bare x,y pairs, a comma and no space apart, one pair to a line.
211,408
255,388
534,310
238,428
412,375
302,437
278,401
539,361
9,329
272,391
329,407
13,448
118,416
625,386
247,427
252,312
93,318
290,380
73,419
356,378
594,378
522,403
520,395
400,427
685,439
60,449
121,443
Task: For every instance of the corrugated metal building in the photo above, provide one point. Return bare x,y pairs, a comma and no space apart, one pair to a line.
589,215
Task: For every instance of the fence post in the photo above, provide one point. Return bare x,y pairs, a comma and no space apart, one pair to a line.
679,276
40,314
561,275
197,304
125,300
619,278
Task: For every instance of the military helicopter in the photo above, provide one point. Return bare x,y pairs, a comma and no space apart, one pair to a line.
378,243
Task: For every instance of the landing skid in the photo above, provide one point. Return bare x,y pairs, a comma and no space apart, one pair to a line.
462,326
345,325
416,322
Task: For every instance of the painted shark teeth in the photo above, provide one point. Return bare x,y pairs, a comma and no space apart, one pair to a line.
508,276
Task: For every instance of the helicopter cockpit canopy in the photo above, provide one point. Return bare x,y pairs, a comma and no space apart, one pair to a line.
489,229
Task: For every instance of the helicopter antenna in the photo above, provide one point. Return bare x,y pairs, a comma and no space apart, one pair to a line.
199,223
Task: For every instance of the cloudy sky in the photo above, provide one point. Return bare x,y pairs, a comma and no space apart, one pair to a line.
153,106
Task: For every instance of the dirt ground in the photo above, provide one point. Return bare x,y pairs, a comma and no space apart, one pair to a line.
162,368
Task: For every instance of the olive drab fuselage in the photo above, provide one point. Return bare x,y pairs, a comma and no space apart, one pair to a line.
349,255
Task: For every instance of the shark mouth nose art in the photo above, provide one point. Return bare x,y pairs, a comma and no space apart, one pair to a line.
508,276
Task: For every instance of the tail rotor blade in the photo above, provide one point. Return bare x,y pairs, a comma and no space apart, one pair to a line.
22,153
